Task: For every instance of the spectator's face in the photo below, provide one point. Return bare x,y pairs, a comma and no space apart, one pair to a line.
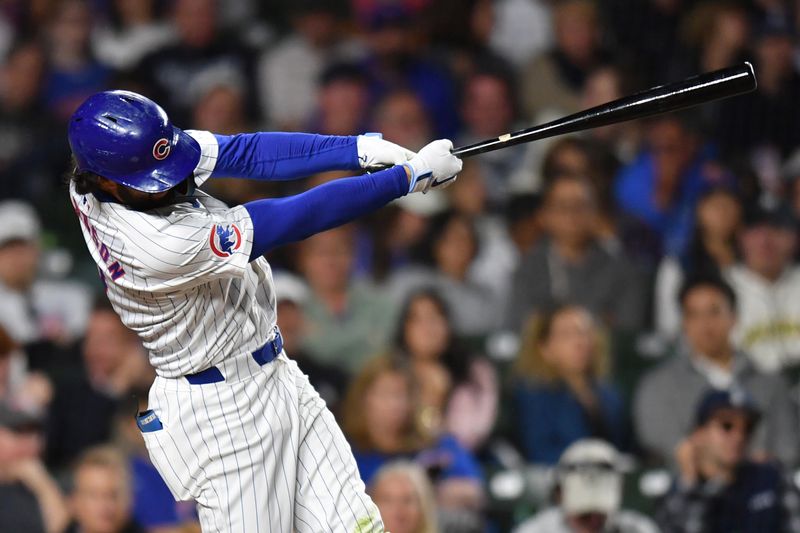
487,106
767,249
22,76
327,260
402,119
570,212
426,331
570,347
731,29
106,343
318,28
723,440
456,248
387,405
135,11
72,26
707,320
602,86
195,21
576,32
19,262
220,111
101,500
469,197
775,54
719,215
343,104
19,445
673,149
398,503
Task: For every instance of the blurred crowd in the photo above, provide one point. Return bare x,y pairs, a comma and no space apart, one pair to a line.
592,333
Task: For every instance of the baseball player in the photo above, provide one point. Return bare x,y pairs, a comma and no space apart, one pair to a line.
232,422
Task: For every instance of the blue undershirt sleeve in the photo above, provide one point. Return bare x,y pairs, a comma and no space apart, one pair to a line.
283,156
278,221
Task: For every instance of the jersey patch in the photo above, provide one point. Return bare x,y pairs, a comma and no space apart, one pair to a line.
225,239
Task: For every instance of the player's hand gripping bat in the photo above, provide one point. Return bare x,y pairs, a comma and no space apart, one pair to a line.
690,92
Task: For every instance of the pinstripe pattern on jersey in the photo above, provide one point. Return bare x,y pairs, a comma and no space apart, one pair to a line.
259,452
182,300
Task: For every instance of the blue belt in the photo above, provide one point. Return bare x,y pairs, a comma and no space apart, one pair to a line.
262,356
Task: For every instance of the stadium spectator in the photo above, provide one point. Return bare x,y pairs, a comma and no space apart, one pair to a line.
30,499
382,422
201,48
522,29
589,487
663,411
718,489
405,498
395,61
342,101
132,30
34,309
662,185
73,73
766,119
101,494
489,109
571,265
554,80
27,149
288,72
20,388
347,321
457,392
713,250
561,392
767,286
82,411
152,505
497,259
292,294
445,260
401,117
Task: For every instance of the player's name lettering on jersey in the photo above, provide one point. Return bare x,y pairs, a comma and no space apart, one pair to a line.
113,266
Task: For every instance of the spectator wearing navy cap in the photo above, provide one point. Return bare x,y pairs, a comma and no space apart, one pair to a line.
718,488
767,286
666,397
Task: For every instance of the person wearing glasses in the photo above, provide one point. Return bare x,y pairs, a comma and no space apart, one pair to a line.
719,488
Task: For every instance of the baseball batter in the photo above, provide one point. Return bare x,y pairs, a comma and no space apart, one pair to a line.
232,422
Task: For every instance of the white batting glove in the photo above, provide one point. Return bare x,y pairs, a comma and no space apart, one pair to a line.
373,151
434,167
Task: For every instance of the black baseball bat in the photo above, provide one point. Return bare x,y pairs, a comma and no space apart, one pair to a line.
690,92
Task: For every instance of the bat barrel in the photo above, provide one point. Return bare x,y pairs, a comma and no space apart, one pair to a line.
663,99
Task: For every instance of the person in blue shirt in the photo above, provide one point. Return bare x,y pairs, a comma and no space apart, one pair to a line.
663,184
383,424
560,393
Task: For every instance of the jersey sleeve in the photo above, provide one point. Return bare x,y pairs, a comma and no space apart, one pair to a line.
272,156
184,249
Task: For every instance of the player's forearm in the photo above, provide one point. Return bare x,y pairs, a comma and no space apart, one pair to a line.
283,156
278,221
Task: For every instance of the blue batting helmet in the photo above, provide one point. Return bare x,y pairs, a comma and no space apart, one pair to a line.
127,138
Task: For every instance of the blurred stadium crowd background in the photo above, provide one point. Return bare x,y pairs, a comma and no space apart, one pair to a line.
592,333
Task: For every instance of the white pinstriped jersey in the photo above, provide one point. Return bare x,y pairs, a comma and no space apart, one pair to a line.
180,276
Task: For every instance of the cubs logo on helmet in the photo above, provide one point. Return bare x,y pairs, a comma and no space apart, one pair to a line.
225,240
161,149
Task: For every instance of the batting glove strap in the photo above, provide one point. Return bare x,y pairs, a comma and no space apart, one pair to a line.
433,167
374,152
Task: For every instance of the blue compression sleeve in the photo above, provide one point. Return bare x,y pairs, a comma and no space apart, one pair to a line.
278,221
283,156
